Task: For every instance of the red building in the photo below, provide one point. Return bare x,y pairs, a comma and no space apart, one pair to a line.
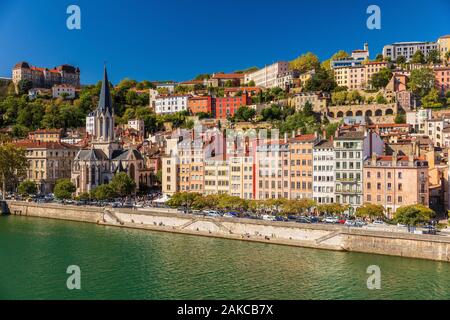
227,106
200,104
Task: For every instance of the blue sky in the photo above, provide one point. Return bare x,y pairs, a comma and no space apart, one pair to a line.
178,39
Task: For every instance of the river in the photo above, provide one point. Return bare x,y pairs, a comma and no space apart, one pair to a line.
120,263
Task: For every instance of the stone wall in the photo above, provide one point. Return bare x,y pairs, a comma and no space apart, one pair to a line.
332,237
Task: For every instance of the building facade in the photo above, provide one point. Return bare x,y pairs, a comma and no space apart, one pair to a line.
44,77
408,49
323,172
171,104
267,76
395,181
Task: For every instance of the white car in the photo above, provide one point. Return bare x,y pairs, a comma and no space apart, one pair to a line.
331,220
379,222
268,217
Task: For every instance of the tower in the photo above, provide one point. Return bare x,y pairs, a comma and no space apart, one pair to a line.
103,120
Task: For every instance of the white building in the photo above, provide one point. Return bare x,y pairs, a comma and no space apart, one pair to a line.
90,124
323,172
63,90
152,95
407,49
137,125
267,76
171,104
169,86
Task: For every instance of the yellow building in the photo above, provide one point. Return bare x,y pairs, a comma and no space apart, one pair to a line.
444,45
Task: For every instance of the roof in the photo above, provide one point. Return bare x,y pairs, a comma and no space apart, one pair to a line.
303,138
350,135
105,102
54,131
91,155
228,76
389,125
22,64
125,154
324,144
34,144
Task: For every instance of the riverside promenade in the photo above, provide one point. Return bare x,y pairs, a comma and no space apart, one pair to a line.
319,236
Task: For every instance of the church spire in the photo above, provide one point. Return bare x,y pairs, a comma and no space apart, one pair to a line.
105,101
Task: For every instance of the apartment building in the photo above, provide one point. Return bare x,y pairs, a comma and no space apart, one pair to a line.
395,181
224,107
44,77
171,104
226,79
442,75
358,77
267,76
408,49
356,59
444,46
46,135
48,161
217,176
323,172
318,101
63,91
200,104
351,148
284,168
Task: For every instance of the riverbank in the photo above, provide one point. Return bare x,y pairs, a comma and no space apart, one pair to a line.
329,237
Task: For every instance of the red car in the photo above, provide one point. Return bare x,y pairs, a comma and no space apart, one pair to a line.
341,221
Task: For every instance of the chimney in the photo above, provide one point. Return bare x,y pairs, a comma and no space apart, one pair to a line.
394,158
374,158
285,137
324,134
293,133
411,160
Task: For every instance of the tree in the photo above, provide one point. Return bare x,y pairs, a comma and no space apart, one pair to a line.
369,210
24,85
355,96
381,78
308,109
64,189
339,98
103,192
244,113
432,100
341,54
433,56
400,118
421,81
413,215
447,55
27,188
305,62
251,83
401,60
183,199
123,184
13,165
379,57
321,80
332,208
418,57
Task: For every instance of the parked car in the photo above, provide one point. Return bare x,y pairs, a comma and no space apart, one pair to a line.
378,222
331,220
268,217
350,223
228,215
281,218
342,221
303,220
314,219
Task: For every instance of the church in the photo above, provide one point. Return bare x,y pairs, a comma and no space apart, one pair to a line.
104,156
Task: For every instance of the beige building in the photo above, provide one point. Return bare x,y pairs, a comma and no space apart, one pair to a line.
357,77
395,181
318,101
47,162
267,76
444,46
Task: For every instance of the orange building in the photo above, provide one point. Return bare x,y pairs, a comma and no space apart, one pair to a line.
226,106
395,181
45,135
442,75
200,104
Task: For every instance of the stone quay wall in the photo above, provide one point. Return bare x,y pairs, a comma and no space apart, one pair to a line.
330,237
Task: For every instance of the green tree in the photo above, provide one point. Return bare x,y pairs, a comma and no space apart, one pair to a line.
13,165
305,62
27,188
103,192
369,210
339,98
432,100
322,80
183,199
401,60
400,118
421,81
418,57
433,56
380,79
379,57
123,184
24,85
244,113
413,215
251,83
64,189
341,54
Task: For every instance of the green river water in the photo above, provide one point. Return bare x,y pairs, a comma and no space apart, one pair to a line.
120,263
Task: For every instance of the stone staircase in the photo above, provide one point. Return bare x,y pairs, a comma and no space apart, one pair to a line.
328,236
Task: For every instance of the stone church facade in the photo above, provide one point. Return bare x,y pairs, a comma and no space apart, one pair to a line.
104,157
